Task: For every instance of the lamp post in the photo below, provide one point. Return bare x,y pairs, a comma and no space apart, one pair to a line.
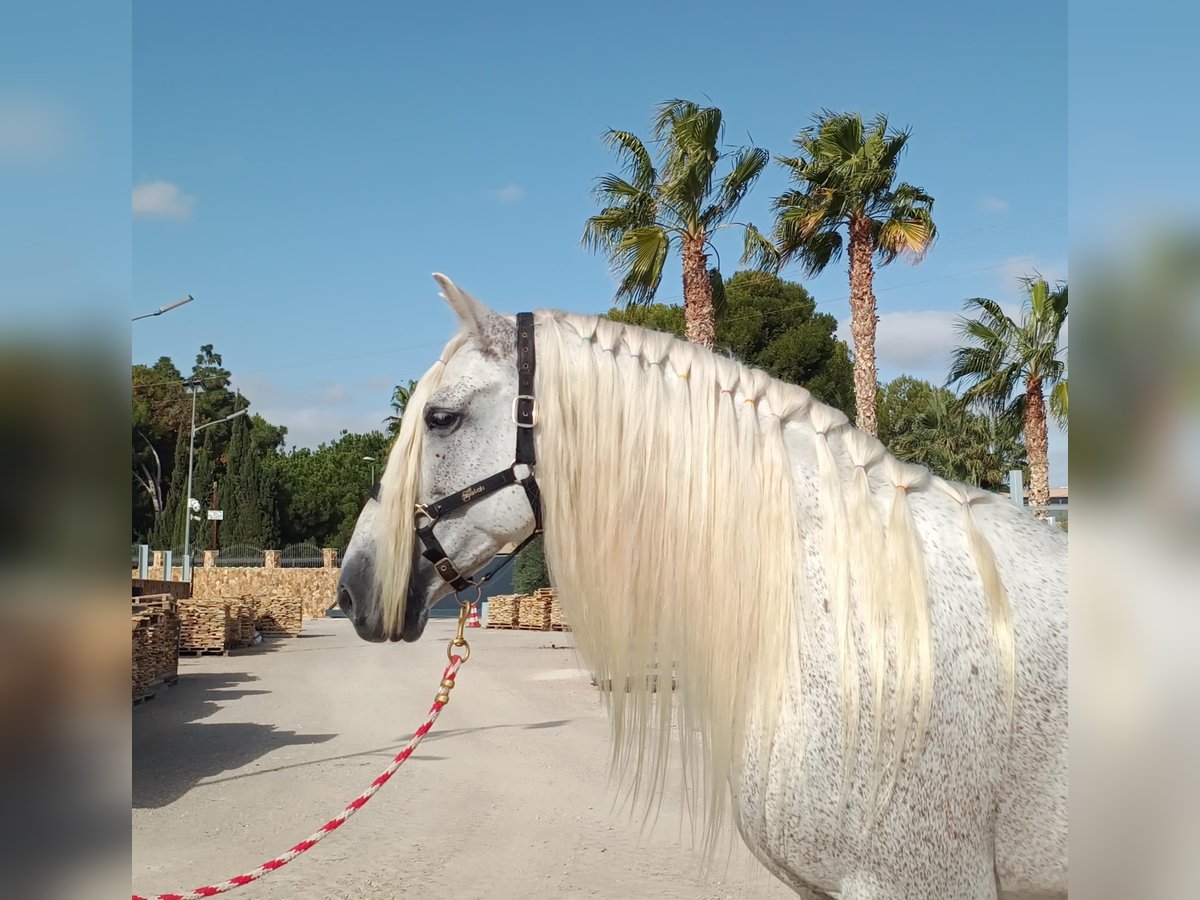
163,309
187,505
371,460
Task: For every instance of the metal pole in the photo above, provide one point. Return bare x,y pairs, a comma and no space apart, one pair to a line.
212,544
1016,490
187,499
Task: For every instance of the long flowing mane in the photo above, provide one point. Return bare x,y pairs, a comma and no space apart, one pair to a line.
673,537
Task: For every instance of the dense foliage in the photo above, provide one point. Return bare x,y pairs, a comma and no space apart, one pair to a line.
270,496
773,325
529,569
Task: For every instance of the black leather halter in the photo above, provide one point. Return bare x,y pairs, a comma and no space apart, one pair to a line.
524,413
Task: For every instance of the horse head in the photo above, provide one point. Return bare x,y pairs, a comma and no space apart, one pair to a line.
458,429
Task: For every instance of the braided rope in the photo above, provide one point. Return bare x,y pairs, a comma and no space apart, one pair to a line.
337,821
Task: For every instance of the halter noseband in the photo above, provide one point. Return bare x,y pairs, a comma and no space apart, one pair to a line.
524,413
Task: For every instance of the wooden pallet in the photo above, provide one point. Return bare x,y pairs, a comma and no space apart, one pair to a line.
137,701
533,613
204,625
502,611
203,651
154,642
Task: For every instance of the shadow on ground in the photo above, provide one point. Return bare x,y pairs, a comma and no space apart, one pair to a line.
173,750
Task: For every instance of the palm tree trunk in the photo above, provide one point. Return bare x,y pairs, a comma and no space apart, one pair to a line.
698,313
1036,444
863,320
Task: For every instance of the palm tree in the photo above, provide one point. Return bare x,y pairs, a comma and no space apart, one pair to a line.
941,433
846,180
647,209
400,395
1002,355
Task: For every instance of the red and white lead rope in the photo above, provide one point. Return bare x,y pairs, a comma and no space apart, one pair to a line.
337,821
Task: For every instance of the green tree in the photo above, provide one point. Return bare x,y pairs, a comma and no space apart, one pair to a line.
679,203
1008,366
248,493
929,425
771,324
845,176
322,490
167,531
529,569
400,396
160,409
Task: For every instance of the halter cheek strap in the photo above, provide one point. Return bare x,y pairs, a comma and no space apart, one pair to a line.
524,413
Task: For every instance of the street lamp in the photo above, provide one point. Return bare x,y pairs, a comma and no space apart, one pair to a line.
163,309
187,511
371,460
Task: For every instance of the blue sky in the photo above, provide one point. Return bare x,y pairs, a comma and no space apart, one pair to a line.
301,169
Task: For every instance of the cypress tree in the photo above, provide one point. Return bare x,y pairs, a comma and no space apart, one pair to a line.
529,570
167,533
248,494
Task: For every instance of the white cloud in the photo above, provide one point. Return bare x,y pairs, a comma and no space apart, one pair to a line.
510,193
912,341
993,205
162,200
316,413
312,425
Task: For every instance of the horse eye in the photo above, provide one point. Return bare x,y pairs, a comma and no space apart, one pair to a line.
440,419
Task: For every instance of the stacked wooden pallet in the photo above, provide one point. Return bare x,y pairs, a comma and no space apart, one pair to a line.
155,644
280,613
143,670
242,618
204,626
533,612
502,611
558,622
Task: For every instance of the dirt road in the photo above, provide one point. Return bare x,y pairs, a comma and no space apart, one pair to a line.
509,797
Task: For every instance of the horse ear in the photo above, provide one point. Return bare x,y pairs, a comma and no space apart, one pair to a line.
471,313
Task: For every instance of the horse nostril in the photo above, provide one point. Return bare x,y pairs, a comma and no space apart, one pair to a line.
345,600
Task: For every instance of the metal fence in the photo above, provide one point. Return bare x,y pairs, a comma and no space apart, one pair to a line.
301,556
241,555
1055,512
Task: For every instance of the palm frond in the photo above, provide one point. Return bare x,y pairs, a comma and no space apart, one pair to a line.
759,252
823,248
668,114
613,189
748,165
632,153
904,237
639,259
1058,402
720,300
604,231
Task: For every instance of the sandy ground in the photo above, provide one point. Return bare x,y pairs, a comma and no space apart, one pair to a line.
509,797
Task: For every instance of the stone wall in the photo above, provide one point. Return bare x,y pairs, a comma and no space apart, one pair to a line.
315,588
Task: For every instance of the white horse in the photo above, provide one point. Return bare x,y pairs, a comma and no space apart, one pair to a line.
871,661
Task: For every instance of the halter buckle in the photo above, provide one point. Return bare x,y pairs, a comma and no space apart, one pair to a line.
533,409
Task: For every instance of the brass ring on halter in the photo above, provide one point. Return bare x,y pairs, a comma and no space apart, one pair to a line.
455,645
